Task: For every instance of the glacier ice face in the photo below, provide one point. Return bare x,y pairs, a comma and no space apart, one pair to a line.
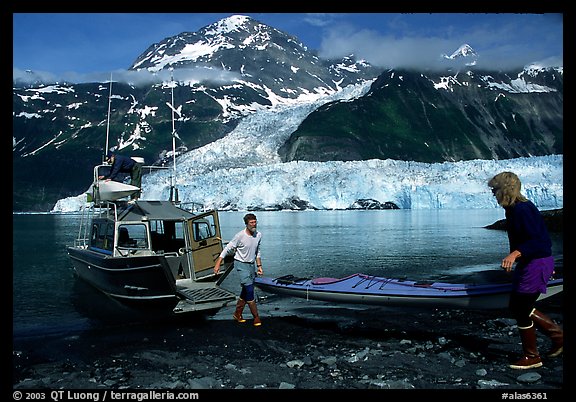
338,185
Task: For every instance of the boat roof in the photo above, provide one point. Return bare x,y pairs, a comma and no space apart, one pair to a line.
154,210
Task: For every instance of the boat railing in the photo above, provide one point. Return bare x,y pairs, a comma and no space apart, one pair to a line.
83,238
104,168
97,209
105,209
125,251
194,207
150,168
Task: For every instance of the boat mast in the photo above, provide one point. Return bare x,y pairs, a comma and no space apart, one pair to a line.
173,189
108,122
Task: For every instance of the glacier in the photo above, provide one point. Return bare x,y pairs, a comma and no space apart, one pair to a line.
243,171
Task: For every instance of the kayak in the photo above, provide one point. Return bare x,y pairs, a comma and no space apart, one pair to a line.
110,190
368,289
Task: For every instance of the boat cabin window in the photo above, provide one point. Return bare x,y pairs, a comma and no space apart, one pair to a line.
167,236
133,236
102,235
204,229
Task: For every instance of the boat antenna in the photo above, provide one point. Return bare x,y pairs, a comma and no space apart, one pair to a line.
173,189
108,122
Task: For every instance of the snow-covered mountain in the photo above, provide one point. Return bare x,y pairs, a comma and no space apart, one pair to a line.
222,73
251,97
256,58
464,54
439,116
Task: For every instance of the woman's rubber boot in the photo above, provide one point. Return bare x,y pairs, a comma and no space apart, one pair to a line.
238,313
551,330
254,311
531,359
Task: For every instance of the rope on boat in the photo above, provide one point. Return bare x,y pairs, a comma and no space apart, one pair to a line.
372,280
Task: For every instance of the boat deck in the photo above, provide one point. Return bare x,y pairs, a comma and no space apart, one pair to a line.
205,294
202,298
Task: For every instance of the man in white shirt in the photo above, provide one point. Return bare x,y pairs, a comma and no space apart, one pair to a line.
245,246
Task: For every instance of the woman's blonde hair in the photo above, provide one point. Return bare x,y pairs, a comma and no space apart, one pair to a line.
506,187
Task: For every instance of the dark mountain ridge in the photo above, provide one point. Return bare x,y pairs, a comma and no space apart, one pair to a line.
432,117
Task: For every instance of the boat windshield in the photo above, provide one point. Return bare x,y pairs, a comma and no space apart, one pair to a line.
102,235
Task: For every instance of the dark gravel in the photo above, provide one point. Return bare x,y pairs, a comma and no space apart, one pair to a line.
301,345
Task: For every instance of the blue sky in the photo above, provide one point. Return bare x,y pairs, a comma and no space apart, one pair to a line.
82,46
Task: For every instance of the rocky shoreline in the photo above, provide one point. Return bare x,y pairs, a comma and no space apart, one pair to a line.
554,219
301,345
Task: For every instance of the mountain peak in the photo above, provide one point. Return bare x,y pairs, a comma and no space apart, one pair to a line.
234,23
464,50
272,65
233,34
464,53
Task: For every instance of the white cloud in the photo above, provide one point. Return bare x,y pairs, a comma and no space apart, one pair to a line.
141,77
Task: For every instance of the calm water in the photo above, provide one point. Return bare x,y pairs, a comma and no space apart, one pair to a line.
412,244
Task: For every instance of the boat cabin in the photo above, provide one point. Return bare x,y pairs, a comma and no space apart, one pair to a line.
190,242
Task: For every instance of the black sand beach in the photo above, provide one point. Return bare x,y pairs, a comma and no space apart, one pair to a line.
308,346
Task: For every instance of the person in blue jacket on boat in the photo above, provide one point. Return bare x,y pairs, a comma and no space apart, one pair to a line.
124,164
245,246
531,251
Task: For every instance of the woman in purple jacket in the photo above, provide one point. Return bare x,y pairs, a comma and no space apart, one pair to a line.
531,250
